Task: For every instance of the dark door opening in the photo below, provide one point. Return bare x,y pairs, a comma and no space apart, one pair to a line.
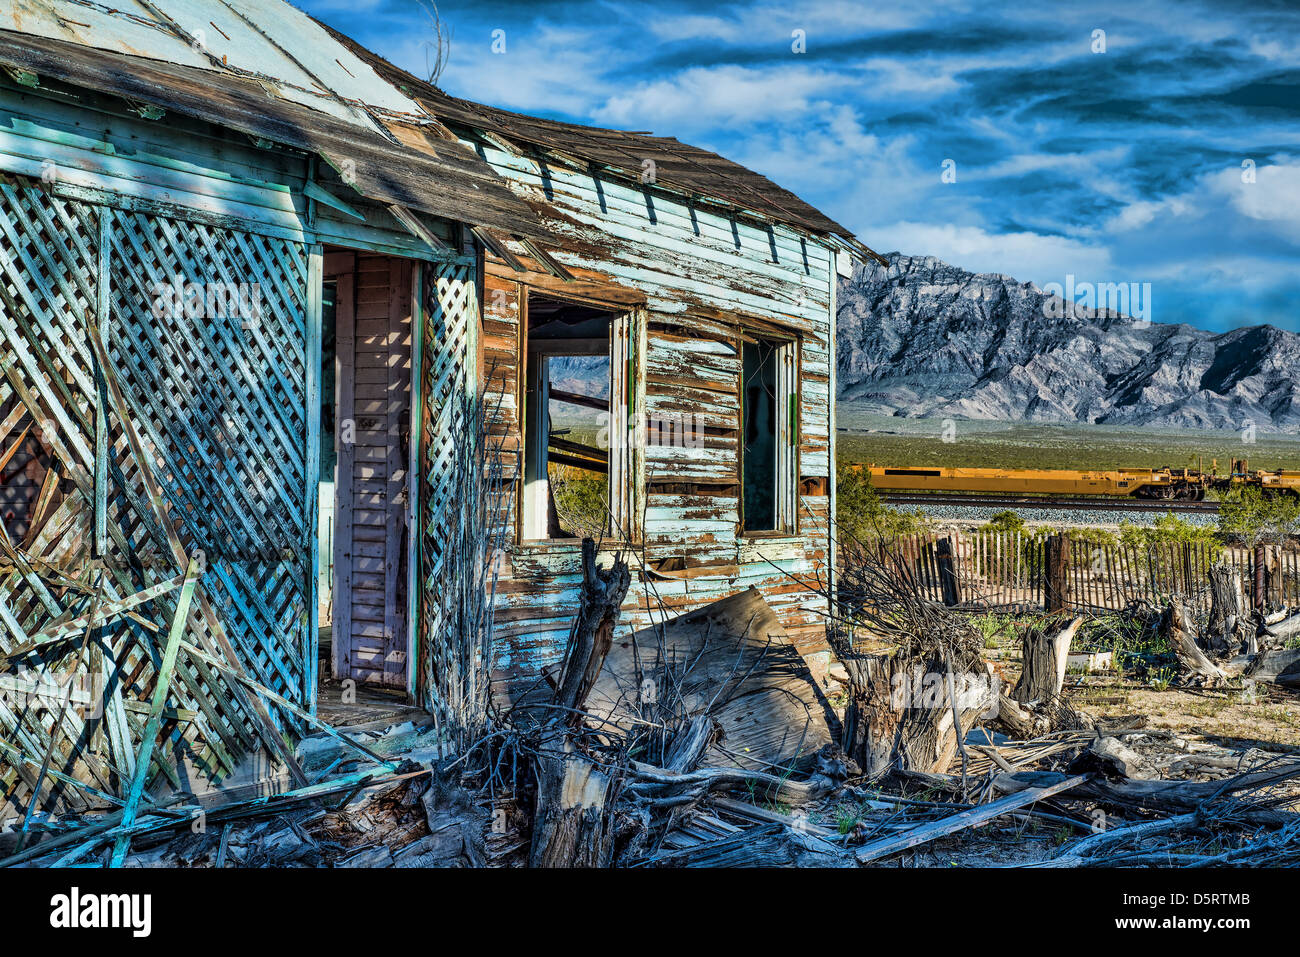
365,428
769,405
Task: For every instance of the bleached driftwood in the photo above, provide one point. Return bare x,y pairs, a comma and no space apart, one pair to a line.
1178,630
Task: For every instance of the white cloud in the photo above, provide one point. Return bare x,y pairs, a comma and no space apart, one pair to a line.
544,69
710,97
1026,256
821,21
1274,197
1021,164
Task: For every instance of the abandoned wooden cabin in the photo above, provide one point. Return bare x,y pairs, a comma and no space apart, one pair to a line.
295,344
690,306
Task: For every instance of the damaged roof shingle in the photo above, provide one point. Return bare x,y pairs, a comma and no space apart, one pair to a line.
440,177
691,170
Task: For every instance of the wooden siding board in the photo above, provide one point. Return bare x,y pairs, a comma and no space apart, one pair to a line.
695,287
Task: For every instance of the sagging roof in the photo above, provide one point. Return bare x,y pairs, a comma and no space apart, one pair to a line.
264,68
436,176
691,170
267,40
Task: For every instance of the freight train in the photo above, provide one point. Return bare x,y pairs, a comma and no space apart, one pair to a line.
1186,485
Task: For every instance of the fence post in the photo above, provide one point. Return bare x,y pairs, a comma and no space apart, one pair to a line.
1258,598
947,573
1057,581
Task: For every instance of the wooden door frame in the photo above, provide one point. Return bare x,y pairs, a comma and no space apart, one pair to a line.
415,477
402,459
315,337
345,318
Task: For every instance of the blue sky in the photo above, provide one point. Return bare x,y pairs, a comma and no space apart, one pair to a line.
1115,166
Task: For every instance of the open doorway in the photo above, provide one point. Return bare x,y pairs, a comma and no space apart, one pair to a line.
366,320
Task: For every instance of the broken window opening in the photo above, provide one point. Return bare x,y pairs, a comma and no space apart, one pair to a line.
574,429
31,482
769,419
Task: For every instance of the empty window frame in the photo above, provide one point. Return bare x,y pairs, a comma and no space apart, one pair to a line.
576,455
769,406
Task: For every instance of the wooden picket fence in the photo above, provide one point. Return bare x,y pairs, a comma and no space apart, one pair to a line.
1012,570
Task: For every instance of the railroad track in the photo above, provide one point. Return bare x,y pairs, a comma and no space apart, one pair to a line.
1095,503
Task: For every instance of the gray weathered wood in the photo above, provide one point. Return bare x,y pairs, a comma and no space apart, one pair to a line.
345,448
982,814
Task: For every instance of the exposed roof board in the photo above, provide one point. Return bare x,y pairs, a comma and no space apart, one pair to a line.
678,165
441,177
268,40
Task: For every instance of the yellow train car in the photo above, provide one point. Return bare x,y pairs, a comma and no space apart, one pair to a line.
1139,483
1283,480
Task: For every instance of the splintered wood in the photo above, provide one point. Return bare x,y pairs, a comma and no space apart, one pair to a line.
168,435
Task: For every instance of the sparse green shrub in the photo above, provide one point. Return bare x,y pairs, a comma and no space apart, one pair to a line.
1254,516
861,514
1170,529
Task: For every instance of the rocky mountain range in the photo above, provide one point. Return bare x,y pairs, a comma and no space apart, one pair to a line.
921,338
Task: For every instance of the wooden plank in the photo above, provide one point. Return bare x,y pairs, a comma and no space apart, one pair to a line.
149,737
101,394
972,817
399,387
311,637
344,338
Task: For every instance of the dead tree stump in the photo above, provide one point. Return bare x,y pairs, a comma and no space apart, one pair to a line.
1230,628
573,820
573,824
904,714
1034,706
1177,628
1045,651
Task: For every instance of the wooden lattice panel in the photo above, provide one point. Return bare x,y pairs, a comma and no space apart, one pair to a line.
221,400
449,446
217,405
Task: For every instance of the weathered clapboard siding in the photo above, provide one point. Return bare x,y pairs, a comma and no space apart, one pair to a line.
694,277
178,165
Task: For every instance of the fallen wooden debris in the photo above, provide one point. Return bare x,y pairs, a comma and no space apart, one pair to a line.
770,845
1112,754
691,745
1281,631
1154,796
732,662
973,817
1279,665
655,785
150,734
1085,851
